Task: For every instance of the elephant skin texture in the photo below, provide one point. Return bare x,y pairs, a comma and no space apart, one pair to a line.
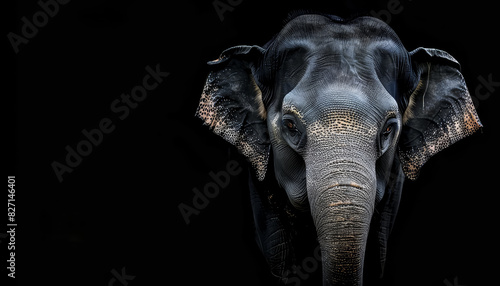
333,115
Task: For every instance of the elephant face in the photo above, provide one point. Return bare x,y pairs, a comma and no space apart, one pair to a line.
333,92
345,110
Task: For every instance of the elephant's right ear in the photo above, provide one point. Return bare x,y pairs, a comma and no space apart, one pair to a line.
440,111
231,104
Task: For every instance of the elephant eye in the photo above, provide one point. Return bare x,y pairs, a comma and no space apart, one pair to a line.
387,134
290,124
388,130
290,127
293,132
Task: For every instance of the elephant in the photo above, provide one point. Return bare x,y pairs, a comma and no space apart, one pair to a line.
333,115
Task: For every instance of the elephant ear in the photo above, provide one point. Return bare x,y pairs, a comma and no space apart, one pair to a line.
440,111
231,104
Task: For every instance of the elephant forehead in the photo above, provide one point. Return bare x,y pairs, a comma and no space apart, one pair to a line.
353,116
334,122
335,110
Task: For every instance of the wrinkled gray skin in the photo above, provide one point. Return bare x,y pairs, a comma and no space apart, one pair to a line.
345,112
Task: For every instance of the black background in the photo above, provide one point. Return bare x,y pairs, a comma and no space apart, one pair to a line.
119,207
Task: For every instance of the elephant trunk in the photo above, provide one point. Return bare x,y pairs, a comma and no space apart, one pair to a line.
342,202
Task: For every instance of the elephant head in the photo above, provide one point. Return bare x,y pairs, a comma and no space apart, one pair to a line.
346,112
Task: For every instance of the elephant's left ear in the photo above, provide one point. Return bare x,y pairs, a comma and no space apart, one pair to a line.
440,111
231,104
